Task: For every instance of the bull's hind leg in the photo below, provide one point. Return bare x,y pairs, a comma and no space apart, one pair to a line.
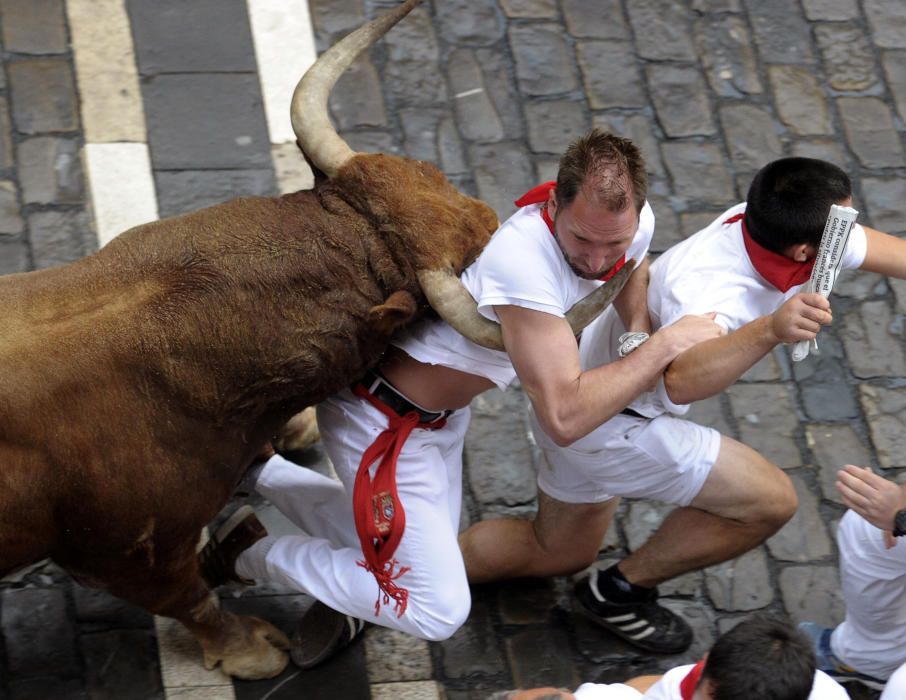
245,647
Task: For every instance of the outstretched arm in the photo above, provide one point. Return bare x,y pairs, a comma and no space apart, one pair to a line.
885,254
571,403
708,368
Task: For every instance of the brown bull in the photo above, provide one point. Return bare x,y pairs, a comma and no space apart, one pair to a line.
137,384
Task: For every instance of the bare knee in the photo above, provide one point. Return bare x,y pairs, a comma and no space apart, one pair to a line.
777,504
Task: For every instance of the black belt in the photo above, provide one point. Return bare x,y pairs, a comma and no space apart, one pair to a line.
376,385
634,414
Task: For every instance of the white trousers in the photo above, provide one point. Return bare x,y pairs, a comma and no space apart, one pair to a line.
323,563
872,638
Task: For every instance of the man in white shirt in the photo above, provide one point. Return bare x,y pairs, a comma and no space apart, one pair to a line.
748,266
389,530
762,658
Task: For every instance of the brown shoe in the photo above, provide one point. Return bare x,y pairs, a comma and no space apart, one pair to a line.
322,632
217,558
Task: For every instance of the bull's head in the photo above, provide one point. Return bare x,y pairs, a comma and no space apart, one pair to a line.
437,271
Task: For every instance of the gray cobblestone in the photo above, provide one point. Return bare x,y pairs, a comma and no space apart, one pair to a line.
711,413
450,148
678,94
187,190
412,75
537,659
800,100
420,131
333,19
10,219
727,55
528,601
698,172
662,30
886,200
872,350
396,656
831,10
475,113
620,85
497,449
358,99
533,9
13,256
716,5
473,651
33,26
767,369
544,61
803,538
502,89
637,128
469,22
887,20
569,117
6,140
812,593
43,95
371,141
40,639
871,132
894,63
767,421
885,410
781,33
120,662
847,55
824,149
501,169
59,237
50,171
834,446
740,584
751,136
595,19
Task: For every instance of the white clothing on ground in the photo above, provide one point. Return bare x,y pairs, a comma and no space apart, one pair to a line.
896,685
872,638
523,266
668,688
323,563
709,271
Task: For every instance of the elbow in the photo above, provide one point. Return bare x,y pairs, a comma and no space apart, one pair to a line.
561,430
678,392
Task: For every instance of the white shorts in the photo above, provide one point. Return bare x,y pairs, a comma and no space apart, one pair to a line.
665,458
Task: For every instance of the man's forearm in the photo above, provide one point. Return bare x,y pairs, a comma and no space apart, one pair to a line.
710,367
631,304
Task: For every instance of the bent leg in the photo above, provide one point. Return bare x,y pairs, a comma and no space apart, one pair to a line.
562,539
745,499
873,581
896,685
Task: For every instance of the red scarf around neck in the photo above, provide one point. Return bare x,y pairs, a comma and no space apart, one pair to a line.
690,682
379,516
782,272
540,195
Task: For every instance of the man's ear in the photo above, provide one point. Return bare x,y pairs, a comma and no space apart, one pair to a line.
802,252
552,203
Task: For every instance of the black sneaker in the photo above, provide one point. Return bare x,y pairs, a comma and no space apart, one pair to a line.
644,624
217,558
322,632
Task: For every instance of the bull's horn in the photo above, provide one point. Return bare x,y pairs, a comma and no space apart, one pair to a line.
309,114
453,303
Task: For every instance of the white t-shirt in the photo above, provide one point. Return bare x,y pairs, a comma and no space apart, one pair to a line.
668,688
709,271
522,265
612,691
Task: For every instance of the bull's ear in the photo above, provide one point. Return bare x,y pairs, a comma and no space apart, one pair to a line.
397,309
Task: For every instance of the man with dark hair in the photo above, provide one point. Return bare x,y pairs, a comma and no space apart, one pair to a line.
762,658
730,498
388,529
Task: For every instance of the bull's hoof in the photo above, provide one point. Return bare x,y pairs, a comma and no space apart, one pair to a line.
259,652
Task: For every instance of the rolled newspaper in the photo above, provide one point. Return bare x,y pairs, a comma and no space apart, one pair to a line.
839,223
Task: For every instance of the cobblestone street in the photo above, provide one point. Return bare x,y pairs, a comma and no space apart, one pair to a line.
115,112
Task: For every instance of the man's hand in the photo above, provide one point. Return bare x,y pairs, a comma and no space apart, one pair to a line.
690,330
873,497
801,317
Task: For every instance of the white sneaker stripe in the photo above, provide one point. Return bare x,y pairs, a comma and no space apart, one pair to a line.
642,635
633,625
629,617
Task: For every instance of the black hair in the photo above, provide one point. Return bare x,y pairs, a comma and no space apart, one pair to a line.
763,657
789,200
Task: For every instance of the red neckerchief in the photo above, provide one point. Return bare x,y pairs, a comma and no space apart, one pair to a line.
539,195
379,516
777,269
688,685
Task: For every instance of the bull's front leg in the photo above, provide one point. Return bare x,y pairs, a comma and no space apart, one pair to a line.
245,647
